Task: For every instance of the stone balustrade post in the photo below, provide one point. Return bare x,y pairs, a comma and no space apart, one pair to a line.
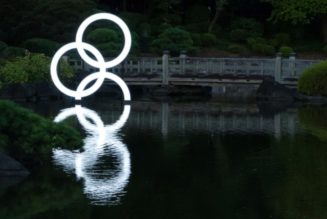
292,59
165,68
278,68
182,61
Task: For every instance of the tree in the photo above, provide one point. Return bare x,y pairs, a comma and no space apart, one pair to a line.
55,20
216,7
106,40
165,11
41,45
173,39
31,68
300,12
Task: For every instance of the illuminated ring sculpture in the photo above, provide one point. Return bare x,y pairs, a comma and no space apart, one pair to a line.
99,61
105,138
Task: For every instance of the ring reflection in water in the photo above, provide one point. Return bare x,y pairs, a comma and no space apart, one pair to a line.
101,186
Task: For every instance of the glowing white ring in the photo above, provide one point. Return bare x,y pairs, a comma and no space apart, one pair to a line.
98,190
98,63
111,76
54,71
120,23
82,113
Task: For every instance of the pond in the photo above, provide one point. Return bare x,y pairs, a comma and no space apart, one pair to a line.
179,160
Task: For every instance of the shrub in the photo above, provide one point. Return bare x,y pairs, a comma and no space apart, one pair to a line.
313,80
103,35
3,46
263,49
29,137
158,27
31,68
110,42
208,39
255,40
204,39
109,49
244,28
197,40
286,51
260,46
324,49
173,39
40,45
12,52
239,35
239,49
281,39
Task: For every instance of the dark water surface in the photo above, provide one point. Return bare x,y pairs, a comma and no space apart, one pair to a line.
181,160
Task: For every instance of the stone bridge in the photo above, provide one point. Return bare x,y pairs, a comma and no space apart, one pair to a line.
195,71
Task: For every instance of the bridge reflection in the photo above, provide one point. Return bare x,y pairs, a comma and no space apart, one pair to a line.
180,118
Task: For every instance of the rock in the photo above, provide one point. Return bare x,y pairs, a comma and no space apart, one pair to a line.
270,90
17,92
30,91
11,167
46,90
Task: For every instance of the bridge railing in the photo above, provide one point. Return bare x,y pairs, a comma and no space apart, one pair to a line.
284,70
132,67
293,68
207,67
136,67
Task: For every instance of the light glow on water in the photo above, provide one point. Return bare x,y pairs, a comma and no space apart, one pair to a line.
101,187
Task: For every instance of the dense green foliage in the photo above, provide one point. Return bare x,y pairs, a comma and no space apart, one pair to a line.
39,45
239,49
173,39
31,68
245,28
29,137
103,35
10,52
325,49
286,51
260,46
313,80
3,46
204,40
297,11
106,40
42,26
55,20
281,39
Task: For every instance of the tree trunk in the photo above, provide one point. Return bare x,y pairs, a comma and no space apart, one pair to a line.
218,7
324,28
213,21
